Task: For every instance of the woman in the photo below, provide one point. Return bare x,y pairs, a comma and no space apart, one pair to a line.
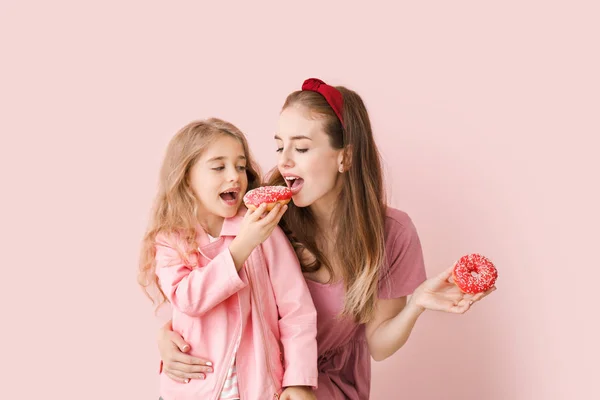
360,258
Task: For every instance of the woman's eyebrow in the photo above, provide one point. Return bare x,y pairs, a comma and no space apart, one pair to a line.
297,137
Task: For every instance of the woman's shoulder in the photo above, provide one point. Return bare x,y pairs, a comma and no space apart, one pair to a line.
404,269
396,222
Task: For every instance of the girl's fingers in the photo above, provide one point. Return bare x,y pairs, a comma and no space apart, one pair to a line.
281,212
257,214
276,215
272,214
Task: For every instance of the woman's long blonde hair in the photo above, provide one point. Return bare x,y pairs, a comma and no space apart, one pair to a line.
175,207
360,209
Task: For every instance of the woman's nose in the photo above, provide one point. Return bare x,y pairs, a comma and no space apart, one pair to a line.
285,161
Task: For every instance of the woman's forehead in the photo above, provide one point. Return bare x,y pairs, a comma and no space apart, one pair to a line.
299,121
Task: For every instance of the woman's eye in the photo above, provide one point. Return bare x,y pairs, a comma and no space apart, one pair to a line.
279,150
241,168
218,168
301,150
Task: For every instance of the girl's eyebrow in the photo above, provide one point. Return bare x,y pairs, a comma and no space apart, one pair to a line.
223,157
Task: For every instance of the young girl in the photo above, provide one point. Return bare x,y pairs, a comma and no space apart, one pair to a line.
233,280
360,257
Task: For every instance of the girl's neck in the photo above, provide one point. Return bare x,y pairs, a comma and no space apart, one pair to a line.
211,224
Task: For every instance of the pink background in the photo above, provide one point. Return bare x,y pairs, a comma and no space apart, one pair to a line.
487,116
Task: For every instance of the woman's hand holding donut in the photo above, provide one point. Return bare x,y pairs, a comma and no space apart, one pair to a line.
255,229
439,293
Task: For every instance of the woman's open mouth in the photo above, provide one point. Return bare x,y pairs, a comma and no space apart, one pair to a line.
294,183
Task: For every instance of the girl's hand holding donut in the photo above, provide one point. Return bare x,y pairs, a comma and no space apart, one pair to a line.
267,199
255,229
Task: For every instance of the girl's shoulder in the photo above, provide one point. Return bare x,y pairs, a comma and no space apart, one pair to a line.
174,238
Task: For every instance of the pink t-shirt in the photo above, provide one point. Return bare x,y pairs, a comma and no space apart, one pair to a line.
344,359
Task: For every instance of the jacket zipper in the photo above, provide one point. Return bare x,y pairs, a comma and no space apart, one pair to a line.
237,337
263,325
224,376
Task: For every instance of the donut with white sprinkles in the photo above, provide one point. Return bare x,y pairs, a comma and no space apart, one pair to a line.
267,194
474,273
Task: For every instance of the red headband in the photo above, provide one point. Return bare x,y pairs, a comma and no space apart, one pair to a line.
331,94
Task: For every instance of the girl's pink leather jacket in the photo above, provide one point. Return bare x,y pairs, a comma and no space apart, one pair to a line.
268,301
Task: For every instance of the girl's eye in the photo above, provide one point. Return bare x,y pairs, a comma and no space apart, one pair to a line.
218,168
241,168
301,150
279,150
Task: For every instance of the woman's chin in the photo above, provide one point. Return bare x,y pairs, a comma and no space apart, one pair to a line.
299,202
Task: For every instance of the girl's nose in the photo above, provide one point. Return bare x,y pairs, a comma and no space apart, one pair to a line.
233,175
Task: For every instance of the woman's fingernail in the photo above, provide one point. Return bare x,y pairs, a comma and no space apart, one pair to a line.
186,380
208,363
186,347
202,376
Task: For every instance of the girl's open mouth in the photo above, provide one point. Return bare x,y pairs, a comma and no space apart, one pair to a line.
230,197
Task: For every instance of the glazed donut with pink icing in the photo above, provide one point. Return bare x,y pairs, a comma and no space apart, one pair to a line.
267,194
474,273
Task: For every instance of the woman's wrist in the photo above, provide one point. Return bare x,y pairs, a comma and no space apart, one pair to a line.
413,307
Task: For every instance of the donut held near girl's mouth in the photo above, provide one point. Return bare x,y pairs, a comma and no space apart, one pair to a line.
267,194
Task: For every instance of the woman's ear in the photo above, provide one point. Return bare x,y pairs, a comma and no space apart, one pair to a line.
345,159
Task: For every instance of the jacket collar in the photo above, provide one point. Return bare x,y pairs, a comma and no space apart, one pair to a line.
231,226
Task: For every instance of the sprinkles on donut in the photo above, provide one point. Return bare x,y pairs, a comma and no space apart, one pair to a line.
474,273
267,194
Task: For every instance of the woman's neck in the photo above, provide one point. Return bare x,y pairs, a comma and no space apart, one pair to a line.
323,208
322,211
325,236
